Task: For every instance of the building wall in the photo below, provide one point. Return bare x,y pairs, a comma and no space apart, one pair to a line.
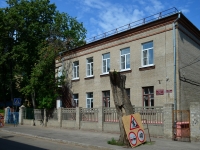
136,79
189,67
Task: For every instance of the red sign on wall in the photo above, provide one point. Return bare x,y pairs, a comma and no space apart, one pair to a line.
168,91
160,92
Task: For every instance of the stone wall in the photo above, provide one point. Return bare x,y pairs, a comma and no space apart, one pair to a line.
195,121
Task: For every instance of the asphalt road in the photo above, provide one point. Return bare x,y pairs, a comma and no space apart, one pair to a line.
16,142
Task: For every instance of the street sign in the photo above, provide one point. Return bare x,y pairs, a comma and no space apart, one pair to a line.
17,102
134,129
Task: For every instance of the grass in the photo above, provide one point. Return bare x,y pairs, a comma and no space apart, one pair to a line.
115,142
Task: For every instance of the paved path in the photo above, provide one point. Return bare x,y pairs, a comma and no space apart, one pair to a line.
92,139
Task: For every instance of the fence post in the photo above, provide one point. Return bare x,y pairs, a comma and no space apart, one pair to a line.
168,121
45,118
21,114
60,116
7,111
194,121
78,117
100,118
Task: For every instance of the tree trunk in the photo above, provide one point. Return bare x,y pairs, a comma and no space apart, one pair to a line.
33,99
122,102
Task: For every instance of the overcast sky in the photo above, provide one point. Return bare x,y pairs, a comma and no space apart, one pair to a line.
100,16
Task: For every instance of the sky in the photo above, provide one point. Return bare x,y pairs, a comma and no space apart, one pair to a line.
99,16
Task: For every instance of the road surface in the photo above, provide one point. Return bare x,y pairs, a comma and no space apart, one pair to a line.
10,141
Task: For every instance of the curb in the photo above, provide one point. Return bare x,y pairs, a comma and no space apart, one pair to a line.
59,140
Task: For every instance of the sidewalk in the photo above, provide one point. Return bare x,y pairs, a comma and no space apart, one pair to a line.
92,139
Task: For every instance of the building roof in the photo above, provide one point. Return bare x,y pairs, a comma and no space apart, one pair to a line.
151,22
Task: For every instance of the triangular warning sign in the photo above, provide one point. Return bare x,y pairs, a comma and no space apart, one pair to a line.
133,123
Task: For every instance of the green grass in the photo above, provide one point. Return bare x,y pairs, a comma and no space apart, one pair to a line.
115,142
1,110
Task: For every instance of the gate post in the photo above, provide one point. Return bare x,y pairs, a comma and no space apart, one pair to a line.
6,115
168,121
194,121
21,114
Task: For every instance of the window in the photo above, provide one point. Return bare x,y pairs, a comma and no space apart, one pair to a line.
148,96
75,99
128,92
75,69
106,63
89,67
125,59
89,100
147,54
106,98
60,73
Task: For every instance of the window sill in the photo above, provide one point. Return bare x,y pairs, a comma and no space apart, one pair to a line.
104,75
126,71
89,77
147,68
75,79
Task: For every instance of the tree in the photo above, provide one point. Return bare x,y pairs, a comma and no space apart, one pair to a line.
122,102
34,34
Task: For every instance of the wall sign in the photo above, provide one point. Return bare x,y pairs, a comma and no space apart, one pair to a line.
168,91
160,92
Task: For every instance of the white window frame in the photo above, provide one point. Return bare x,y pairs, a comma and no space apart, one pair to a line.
107,64
147,57
76,100
90,100
75,70
89,66
126,57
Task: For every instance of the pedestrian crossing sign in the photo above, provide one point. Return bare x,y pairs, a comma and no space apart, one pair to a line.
17,101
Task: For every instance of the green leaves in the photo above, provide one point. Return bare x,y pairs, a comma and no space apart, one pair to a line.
32,34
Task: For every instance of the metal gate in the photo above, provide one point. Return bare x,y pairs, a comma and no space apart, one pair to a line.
181,127
12,118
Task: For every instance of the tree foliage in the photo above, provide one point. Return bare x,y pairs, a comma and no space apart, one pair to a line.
33,32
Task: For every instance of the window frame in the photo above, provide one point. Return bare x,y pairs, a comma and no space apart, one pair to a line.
148,96
147,57
77,70
91,100
125,59
77,100
107,65
106,99
91,67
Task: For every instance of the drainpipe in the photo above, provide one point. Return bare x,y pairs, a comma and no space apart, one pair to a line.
174,47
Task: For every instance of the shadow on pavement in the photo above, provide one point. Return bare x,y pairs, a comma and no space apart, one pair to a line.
6,144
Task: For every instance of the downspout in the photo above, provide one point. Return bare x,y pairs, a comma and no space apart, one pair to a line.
174,47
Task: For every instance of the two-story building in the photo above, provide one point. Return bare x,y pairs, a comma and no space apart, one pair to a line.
160,56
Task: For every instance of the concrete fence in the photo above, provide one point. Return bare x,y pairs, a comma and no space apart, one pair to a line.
158,119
